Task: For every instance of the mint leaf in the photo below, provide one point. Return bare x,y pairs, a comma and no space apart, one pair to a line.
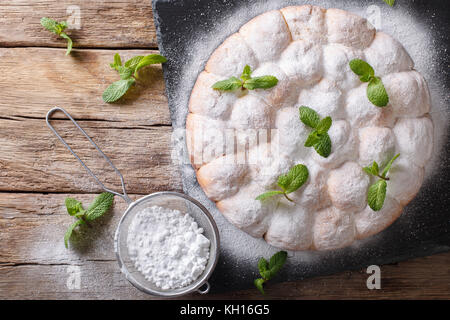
319,138
62,25
323,146
267,195
276,262
324,125
264,82
294,179
139,62
99,206
259,284
368,170
312,139
390,2
133,62
246,81
73,206
375,169
124,72
269,269
70,230
376,195
377,93
116,90
57,28
148,60
388,166
117,62
309,117
69,42
52,25
263,267
230,84
247,73
362,69
289,182
377,192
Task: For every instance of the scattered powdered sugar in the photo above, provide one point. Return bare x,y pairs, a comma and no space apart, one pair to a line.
167,247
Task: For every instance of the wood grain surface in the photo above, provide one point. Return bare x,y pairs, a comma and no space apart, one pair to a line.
102,23
37,172
35,79
35,264
35,161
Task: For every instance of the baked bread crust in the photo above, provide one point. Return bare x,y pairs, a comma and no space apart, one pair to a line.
308,49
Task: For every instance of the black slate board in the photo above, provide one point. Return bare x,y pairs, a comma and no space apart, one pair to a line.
424,227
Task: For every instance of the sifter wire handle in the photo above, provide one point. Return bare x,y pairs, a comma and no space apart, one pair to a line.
124,195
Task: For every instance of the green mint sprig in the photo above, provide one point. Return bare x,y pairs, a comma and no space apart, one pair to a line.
289,182
268,270
58,29
318,138
390,2
128,73
101,204
376,92
246,82
377,192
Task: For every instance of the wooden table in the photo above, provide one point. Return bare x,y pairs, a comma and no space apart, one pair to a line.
37,173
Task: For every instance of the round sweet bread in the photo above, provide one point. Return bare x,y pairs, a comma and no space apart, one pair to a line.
240,142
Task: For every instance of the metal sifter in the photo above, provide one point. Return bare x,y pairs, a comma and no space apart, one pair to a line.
166,199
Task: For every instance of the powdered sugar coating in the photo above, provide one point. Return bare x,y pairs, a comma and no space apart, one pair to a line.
347,187
375,144
302,62
335,65
387,55
167,247
308,49
267,35
306,23
399,87
326,98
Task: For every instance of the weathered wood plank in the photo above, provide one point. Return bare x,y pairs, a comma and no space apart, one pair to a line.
98,280
103,23
36,79
33,159
423,278
35,264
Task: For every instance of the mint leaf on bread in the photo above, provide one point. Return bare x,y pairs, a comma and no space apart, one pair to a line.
376,92
246,81
377,192
318,138
290,182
